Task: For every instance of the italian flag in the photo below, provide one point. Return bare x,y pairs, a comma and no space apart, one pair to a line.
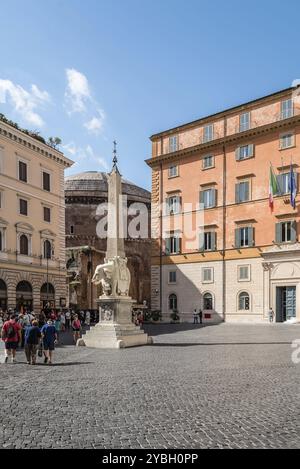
273,188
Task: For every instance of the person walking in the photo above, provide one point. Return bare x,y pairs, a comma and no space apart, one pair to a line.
196,318
57,326
63,322
76,326
11,334
87,318
271,315
49,339
68,320
200,316
32,338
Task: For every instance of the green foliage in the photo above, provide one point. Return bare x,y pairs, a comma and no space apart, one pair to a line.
52,142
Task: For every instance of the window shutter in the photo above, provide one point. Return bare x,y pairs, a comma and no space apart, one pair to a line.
201,197
237,154
168,246
179,202
213,241
294,231
278,238
280,183
237,238
214,197
201,242
237,193
251,149
251,236
179,245
167,207
247,190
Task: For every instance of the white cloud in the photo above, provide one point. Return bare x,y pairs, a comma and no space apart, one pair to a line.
85,155
95,125
78,91
25,102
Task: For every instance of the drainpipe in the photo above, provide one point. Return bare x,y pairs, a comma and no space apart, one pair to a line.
224,226
161,237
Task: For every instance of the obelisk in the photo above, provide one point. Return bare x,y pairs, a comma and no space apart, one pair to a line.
115,328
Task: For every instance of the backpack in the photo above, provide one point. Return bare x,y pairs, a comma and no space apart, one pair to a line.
11,332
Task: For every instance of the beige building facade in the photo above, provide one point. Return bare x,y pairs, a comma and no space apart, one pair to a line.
32,221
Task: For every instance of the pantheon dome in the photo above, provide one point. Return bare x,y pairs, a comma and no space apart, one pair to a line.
85,250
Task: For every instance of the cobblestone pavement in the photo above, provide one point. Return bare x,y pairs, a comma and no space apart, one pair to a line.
225,386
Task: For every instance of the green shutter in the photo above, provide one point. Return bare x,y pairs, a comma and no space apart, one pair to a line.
214,197
278,238
237,193
213,241
251,236
280,183
237,238
201,242
294,231
168,246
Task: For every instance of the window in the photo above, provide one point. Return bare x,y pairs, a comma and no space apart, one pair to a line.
24,245
286,109
243,272
286,232
47,249
208,198
173,205
173,244
244,301
283,181
22,171
72,229
207,275
244,237
208,301
207,241
244,152
172,277
47,214
173,302
173,143
208,162
287,141
244,121
208,133
242,192
173,171
23,207
46,181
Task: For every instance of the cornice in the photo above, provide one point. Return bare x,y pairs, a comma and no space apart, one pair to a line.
225,113
234,138
25,141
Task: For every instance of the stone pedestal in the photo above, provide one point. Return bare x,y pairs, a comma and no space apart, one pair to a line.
115,328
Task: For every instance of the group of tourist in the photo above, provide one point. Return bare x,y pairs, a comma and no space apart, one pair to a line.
38,333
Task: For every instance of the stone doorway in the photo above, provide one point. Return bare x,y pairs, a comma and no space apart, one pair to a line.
285,303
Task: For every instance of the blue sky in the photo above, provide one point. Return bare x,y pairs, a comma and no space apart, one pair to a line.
94,71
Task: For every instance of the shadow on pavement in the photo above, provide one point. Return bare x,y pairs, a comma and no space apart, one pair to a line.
160,329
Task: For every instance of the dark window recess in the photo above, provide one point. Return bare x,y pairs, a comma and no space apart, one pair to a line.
47,214
22,171
46,181
72,229
23,207
24,245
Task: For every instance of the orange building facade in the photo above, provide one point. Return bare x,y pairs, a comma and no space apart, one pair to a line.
217,245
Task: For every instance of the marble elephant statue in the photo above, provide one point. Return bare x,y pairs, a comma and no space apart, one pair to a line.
114,277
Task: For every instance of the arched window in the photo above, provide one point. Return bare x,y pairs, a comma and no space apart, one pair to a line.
24,245
208,301
47,249
244,301
173,302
